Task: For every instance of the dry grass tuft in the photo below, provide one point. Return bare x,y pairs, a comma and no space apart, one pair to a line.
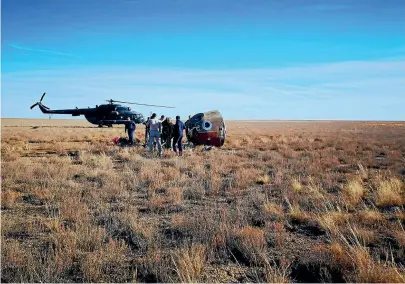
265,179
390,193
370,217
8,198
354,192
251,243
273,209
296,185
189,263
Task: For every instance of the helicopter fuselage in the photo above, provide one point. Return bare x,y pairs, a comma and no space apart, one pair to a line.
112,114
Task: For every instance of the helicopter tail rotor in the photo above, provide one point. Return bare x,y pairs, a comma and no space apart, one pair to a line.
40,101
34,105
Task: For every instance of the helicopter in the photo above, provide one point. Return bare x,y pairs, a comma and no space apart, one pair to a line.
101,115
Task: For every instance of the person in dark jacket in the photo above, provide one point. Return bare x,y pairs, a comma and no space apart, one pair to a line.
130,127
167,132
178,135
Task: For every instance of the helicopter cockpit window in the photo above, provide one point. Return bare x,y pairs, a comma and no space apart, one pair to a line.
122,108
129,108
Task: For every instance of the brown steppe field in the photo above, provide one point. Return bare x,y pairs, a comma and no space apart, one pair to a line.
281,201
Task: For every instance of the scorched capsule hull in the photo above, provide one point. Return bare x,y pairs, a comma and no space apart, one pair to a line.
206,128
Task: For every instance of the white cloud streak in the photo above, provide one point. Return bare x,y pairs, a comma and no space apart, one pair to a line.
345,90
44,51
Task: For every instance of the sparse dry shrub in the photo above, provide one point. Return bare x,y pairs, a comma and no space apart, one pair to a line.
45,194
400,215
314,189
296,185
368,270
340,258
10,153
65,248
245,177
8,198
89,237
114,187
106,264
124,155
370,217
274,210
189,263
158,203
175,195
101,161
170,174
296,214
179,220
277,273
331,220
278,234
399,235
390,193
20,227
12,254
155,266
152,177
264,179
21,262
354,192
233,142
363,172
195,192
250,243
72,209
366,236
363,267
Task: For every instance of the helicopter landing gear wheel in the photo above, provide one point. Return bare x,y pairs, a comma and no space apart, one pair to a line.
110,125
100,125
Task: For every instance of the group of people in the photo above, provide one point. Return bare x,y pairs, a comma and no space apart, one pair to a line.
160,132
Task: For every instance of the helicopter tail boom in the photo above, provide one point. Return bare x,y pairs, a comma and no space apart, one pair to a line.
73,112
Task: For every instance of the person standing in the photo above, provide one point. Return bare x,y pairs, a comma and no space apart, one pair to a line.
155,128
130,126
167,129
146,131
178,135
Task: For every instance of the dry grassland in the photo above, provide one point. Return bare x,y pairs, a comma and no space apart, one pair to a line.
280,202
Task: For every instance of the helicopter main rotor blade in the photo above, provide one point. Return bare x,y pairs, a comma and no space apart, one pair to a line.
42,97
143,104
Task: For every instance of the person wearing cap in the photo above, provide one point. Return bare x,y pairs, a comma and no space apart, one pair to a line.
155,128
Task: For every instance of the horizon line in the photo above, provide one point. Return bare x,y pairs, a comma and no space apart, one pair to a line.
254,120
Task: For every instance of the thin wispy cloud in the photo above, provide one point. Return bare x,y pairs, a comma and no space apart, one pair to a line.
345,90
44,51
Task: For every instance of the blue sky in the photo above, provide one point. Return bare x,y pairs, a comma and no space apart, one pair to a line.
251,59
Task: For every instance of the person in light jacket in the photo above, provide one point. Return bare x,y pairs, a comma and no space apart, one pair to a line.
155,128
